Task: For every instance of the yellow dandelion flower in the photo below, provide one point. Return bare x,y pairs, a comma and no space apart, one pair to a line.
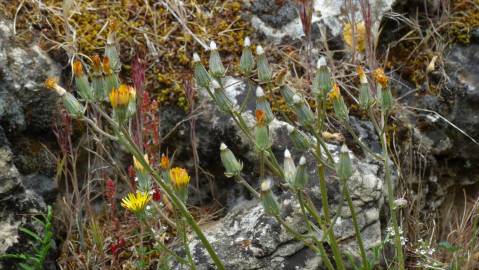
51,83
179,177
164,162
77,68
359,35
380,77
136,202
137,164
335,93
120,97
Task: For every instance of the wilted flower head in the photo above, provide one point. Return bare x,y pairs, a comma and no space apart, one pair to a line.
335,93
106,65
136,202
362,75
380,77
52,84
164,162
96,63
179,177
260,117
77,68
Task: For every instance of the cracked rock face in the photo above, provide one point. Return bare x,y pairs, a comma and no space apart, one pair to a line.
247,238
25,109
279,21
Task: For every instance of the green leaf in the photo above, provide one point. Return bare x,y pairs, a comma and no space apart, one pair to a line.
448,246
25,266
31,234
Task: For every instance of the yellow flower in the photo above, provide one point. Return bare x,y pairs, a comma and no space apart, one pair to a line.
137,164
380,77
52,84
136,202
77,68
164,162
120,97
179,177
359,35
335,93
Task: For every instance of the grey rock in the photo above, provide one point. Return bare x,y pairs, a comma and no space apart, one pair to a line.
247,238
42,185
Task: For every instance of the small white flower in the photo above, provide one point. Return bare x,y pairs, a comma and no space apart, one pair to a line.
247,42
259,50
213,46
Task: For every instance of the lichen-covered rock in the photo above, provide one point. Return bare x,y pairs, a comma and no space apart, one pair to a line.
247,238
26,109
279,20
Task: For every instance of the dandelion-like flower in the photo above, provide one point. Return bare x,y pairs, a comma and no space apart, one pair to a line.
179,177
77,68
380,77
121,96
136,202
52,84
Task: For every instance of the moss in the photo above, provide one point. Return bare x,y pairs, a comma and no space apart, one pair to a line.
139,27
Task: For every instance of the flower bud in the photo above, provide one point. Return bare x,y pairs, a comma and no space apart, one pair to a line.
180,179
344,169
365,97
270,205
264,71
97,80
322,80
303,112
232,166
217,69
288,95
112,53
247,59
201,75
300,140
302,176
263,104
164,162
73,107
289,168
222,101
144,181
385,98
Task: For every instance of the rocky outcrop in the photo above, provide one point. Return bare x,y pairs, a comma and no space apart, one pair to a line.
247,238
25,108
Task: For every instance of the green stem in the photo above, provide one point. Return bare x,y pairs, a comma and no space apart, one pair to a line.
356,225
243,182
185,244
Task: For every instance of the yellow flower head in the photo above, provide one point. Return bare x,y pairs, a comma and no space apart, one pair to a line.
359,35
335,93
164,162
120,97
137,164
96,63
380,77
51,83
77,68
179,177
136,202
106,65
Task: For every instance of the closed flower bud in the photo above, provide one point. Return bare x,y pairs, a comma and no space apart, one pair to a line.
201,75
289,168
247,59
288,95
270,204
385,98
144,181
303,112
111,79
73,107
300,140
217,69
302,177
264,71
97,79
263,104
222,101
344,169
81,81
365,97
164,162
322,80
112,54
232,166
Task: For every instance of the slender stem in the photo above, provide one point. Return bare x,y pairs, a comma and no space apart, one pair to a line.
323,254
243,182
357,230
185,244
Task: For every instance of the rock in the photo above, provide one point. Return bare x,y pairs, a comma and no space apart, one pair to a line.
26,112
247,238
279,21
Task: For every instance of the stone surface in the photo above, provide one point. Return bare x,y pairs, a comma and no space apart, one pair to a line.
279,20
25,107
247,238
